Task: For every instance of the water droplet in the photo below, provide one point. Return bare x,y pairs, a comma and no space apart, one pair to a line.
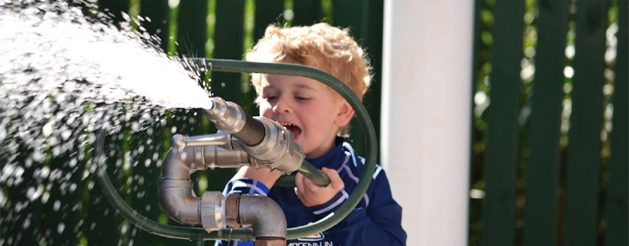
27,222
3,199
56,206
66,134
47,129
34,193
61,227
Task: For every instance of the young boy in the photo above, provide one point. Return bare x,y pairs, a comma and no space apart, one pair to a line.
316,114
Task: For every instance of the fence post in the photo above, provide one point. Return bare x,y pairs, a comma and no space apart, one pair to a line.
426,95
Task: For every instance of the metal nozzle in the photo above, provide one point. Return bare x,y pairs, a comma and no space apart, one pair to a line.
229,117
268,143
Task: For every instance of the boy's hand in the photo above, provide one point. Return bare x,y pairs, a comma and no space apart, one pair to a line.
264,175
311,194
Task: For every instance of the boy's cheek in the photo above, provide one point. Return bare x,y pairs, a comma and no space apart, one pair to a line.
265,109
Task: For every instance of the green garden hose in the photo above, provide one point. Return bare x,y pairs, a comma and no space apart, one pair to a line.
196,233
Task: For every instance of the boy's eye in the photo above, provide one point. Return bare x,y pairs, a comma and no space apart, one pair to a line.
301,98
271,97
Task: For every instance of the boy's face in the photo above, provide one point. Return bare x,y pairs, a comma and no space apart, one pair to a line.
305,107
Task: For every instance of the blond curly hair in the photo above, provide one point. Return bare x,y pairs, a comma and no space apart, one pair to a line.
321,46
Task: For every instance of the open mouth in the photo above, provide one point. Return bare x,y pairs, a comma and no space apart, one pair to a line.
292,128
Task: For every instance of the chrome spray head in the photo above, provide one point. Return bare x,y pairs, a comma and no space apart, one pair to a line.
228,117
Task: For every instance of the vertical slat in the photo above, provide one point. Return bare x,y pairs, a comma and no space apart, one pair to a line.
147,149
21,224
584,144
192,31
64,201
191,39
306,12
617,194
499,210
543,165
145,177
365,20
175,119
228,40
474,204
157,11
103,220
267,12
371,41
228,44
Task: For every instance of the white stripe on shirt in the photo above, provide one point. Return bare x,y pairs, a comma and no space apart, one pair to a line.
375,173
333,205
252,187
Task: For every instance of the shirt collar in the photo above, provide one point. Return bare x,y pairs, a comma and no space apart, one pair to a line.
333,159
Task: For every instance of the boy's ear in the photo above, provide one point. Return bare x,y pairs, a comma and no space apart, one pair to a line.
345,114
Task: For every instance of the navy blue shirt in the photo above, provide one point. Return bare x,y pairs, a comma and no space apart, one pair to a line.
376,220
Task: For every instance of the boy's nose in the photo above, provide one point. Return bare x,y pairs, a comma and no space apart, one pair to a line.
282,106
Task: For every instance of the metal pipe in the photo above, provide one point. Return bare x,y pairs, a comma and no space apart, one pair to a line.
213,210
220,139
244,235
180,232
267,142
175,189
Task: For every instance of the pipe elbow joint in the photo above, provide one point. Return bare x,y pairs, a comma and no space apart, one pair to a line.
261,213
177,163
179,202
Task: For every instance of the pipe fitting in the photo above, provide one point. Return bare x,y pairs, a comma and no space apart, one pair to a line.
213,211
177,164
278,149
220,139
261,213
178,201
175,189
219,157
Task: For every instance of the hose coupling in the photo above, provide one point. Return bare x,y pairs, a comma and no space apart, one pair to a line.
278,150
213,211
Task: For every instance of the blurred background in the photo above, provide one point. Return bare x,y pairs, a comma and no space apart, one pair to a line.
546,117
